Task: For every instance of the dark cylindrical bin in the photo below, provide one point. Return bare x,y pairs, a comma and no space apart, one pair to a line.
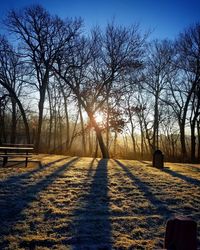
158,159
181,234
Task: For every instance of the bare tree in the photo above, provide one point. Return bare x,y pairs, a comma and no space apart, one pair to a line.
131,110
99,62
42,37
158,70
11,78
184,84
4,97
195,113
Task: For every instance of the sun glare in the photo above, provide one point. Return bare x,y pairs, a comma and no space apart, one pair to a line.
99,117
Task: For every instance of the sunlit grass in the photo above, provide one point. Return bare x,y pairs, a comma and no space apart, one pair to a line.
67,203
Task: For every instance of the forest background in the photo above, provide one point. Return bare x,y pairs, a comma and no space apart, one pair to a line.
108,92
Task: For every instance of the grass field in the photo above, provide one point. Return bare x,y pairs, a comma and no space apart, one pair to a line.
60,202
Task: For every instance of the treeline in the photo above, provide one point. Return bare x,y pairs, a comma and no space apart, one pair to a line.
107,93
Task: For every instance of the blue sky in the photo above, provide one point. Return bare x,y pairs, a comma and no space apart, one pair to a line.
166,18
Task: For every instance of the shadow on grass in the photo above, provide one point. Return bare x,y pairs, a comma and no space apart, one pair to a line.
91,167
15,163
147,163
23,176
188,166
92,220
17,194
160,208
188,179
175,174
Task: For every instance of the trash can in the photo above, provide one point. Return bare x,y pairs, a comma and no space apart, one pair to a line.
181,234
158,159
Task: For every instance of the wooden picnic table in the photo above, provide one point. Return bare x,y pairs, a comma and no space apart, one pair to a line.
17,150
11,149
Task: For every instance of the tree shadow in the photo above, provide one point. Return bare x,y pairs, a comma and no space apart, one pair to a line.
23,176
147,163
188,179
159,207
92,220
17,193
14,163
191,167
91,167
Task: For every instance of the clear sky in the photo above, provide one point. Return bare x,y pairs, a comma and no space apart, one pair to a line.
166,18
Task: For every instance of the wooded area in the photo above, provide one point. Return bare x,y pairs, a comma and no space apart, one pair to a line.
109,93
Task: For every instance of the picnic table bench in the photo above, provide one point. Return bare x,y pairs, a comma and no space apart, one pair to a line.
8,150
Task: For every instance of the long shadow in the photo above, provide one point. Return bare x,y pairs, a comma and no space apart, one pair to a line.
182,177
91,167
147,164
13,203
160,208
15,163
92,220
23,176
188,166
178,175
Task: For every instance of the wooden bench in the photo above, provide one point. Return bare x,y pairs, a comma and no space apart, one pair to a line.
8,150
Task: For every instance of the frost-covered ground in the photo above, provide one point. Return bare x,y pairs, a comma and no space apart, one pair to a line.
62,202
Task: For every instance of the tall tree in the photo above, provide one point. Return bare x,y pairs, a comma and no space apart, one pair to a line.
42,37
3,101
158,69
11,78
185,83
96,66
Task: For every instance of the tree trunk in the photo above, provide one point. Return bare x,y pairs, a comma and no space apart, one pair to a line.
104,150
82,129
50,121
133,141
55,129
156,123
96,148
193,142
13,122
40,120
2,124
173,147
90,142
141,138
193,122
182,122
25,122
125,145
43,89
13,95
73,132
107,122
132,132
198,133
150,145
115,144
67,142
182,140
60,132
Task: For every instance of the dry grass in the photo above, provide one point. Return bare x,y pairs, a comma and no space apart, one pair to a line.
62,202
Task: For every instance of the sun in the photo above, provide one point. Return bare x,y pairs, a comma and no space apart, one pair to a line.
99,117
